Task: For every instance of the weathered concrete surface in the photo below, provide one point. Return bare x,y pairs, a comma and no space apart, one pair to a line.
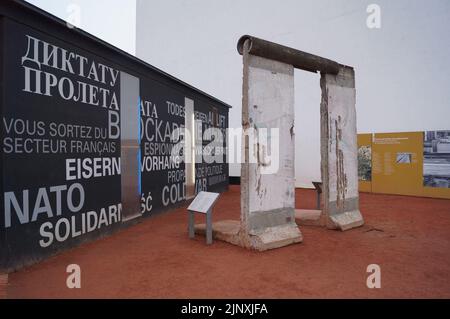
339,165
225,230
347,220
267,172
268,238
308,217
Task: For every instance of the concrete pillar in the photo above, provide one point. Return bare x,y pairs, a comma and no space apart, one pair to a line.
339,151
267,172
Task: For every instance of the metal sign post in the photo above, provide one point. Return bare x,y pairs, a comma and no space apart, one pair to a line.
203,203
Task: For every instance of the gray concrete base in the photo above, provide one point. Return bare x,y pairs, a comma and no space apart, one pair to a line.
347,220
270,238
225,230
308,217
276,237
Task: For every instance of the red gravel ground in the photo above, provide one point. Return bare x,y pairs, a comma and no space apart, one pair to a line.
408,237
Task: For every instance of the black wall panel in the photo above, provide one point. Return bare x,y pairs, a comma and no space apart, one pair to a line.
61,143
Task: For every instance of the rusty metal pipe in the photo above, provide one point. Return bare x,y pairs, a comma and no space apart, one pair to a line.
299,59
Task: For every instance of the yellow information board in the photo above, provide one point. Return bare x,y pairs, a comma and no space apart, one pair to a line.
411,163
397,161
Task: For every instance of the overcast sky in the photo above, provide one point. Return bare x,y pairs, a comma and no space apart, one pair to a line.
111,20
402,69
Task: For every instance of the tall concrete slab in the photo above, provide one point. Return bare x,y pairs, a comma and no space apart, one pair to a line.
267,172
267,169
339,150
